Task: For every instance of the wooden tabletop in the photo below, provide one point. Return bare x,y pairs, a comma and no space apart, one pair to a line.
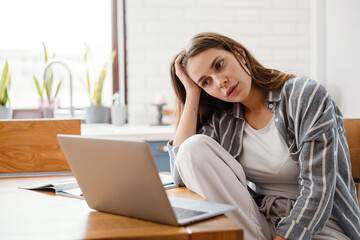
28,214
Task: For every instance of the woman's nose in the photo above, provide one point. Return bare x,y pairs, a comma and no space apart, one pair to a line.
221,82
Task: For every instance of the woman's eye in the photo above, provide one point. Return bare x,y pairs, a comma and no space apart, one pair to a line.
205,83
219,64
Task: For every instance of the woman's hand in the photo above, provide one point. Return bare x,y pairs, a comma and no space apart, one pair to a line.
189,85
188,120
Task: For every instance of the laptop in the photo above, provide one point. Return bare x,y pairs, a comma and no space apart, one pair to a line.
119,176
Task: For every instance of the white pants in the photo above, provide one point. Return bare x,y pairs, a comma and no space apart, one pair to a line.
209,170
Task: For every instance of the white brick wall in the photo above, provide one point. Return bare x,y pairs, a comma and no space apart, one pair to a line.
277,32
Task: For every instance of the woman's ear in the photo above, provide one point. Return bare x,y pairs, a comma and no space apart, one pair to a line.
241,57
241,53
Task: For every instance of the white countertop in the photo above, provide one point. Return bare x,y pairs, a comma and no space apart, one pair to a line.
144,132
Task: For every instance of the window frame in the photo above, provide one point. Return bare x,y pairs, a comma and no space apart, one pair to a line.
119,16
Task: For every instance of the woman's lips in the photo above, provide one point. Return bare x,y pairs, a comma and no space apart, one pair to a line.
232,90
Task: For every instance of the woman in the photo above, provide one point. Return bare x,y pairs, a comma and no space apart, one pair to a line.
242,124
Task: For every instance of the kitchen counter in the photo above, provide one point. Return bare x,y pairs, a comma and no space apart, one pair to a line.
144,132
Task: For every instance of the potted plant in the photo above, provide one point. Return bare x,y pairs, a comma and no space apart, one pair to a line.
5,81
47,103
96,112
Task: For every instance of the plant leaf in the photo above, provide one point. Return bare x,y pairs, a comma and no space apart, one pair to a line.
4,78
6,97
87,51
99,86
49,83
4,82
113,54
2,101
9,81
45,53
39,89
96,95
89,87
101,79
47,89
57,89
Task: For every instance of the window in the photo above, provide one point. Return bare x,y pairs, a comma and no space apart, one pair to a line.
64,26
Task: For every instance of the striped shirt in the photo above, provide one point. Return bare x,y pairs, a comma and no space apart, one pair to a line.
312,127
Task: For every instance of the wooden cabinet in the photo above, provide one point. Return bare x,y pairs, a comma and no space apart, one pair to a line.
28,146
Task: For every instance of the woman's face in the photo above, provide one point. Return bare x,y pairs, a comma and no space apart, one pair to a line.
219,74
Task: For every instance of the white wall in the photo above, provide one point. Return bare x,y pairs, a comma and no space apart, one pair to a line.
276,31
342,54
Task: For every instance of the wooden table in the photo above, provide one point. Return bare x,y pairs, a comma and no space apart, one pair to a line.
28,214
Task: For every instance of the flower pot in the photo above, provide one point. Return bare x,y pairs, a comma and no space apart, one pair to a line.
6,112
97,114
46,108
47,112
118,115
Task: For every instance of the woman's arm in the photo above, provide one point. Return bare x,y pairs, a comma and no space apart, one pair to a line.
188,120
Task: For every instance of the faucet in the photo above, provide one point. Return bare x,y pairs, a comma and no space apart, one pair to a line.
63,62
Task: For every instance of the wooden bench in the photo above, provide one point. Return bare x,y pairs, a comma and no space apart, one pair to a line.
352,128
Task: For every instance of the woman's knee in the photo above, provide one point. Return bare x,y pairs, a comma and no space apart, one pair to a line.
195,144
195,150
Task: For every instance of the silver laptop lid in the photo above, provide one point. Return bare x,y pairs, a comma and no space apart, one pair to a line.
116,176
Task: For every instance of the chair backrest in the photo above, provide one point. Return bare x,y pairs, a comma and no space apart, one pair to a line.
28,146
352,128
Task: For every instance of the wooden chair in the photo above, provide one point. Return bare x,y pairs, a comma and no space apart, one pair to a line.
352,128
28,146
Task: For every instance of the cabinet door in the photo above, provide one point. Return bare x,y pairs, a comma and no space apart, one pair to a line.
160,155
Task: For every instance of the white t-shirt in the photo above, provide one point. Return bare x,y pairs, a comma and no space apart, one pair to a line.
267,163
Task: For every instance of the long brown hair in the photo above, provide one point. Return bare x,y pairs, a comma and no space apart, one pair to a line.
265,78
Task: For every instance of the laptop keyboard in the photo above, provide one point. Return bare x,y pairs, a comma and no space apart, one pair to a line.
182,213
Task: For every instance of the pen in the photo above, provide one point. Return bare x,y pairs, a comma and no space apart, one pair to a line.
167,184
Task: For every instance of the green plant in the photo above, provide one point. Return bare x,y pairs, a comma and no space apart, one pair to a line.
48,82
5,82
95,93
